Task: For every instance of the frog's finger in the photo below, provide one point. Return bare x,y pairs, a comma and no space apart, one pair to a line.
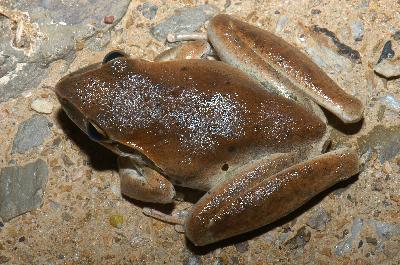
226,212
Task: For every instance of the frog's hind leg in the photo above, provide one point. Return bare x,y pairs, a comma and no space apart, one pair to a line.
236,206
143,183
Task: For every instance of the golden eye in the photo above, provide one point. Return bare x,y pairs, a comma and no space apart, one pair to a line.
95,132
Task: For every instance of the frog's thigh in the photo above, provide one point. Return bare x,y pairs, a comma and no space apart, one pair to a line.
217,216
198,49
144,184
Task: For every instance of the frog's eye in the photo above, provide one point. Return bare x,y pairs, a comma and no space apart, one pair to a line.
113,55
95,133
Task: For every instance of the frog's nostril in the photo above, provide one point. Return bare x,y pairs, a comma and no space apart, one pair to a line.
113,55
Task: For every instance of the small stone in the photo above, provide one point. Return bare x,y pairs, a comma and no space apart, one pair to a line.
387,52
388,68
360,244
390,101
227,3
300,239
4,259
116,220
42,105
315,11
387,168
396,35
193,260
66,216
280,25
21,188
341,48
31,133
242,246
109,19
319,219
392,249
371,240
185,20
385,231
148,10
345,246
357,30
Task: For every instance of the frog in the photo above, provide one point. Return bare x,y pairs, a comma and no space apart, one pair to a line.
247,130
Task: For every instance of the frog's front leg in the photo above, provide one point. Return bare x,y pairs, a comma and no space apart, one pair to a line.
235,206
143,183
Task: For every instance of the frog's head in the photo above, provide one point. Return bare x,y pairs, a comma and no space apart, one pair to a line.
84,95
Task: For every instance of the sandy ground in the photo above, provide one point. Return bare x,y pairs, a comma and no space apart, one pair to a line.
82,193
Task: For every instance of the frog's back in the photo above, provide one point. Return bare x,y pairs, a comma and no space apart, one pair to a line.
193,118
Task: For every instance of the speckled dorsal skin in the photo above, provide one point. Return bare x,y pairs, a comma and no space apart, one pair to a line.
206,113
279,65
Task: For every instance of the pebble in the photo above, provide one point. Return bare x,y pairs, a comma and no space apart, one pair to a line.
387,52
388,68
148,10
342,49
392,250
396,35
116,220
385,231
21,188
4,259
109,19
280,25
319,219
357,30
391,102
193,260
185,20
66,216
31,133
345,246
42,105
300,239
371,240
242,246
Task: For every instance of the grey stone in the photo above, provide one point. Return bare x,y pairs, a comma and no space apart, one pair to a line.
300,239
384,230
185,20
383,140
59,25
31,133
345,246
242,246
357,30
280,25
388,68
193,260
391,102
319,219
148,10
21,188
392,250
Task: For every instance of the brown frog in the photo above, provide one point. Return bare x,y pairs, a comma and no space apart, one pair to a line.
248,130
